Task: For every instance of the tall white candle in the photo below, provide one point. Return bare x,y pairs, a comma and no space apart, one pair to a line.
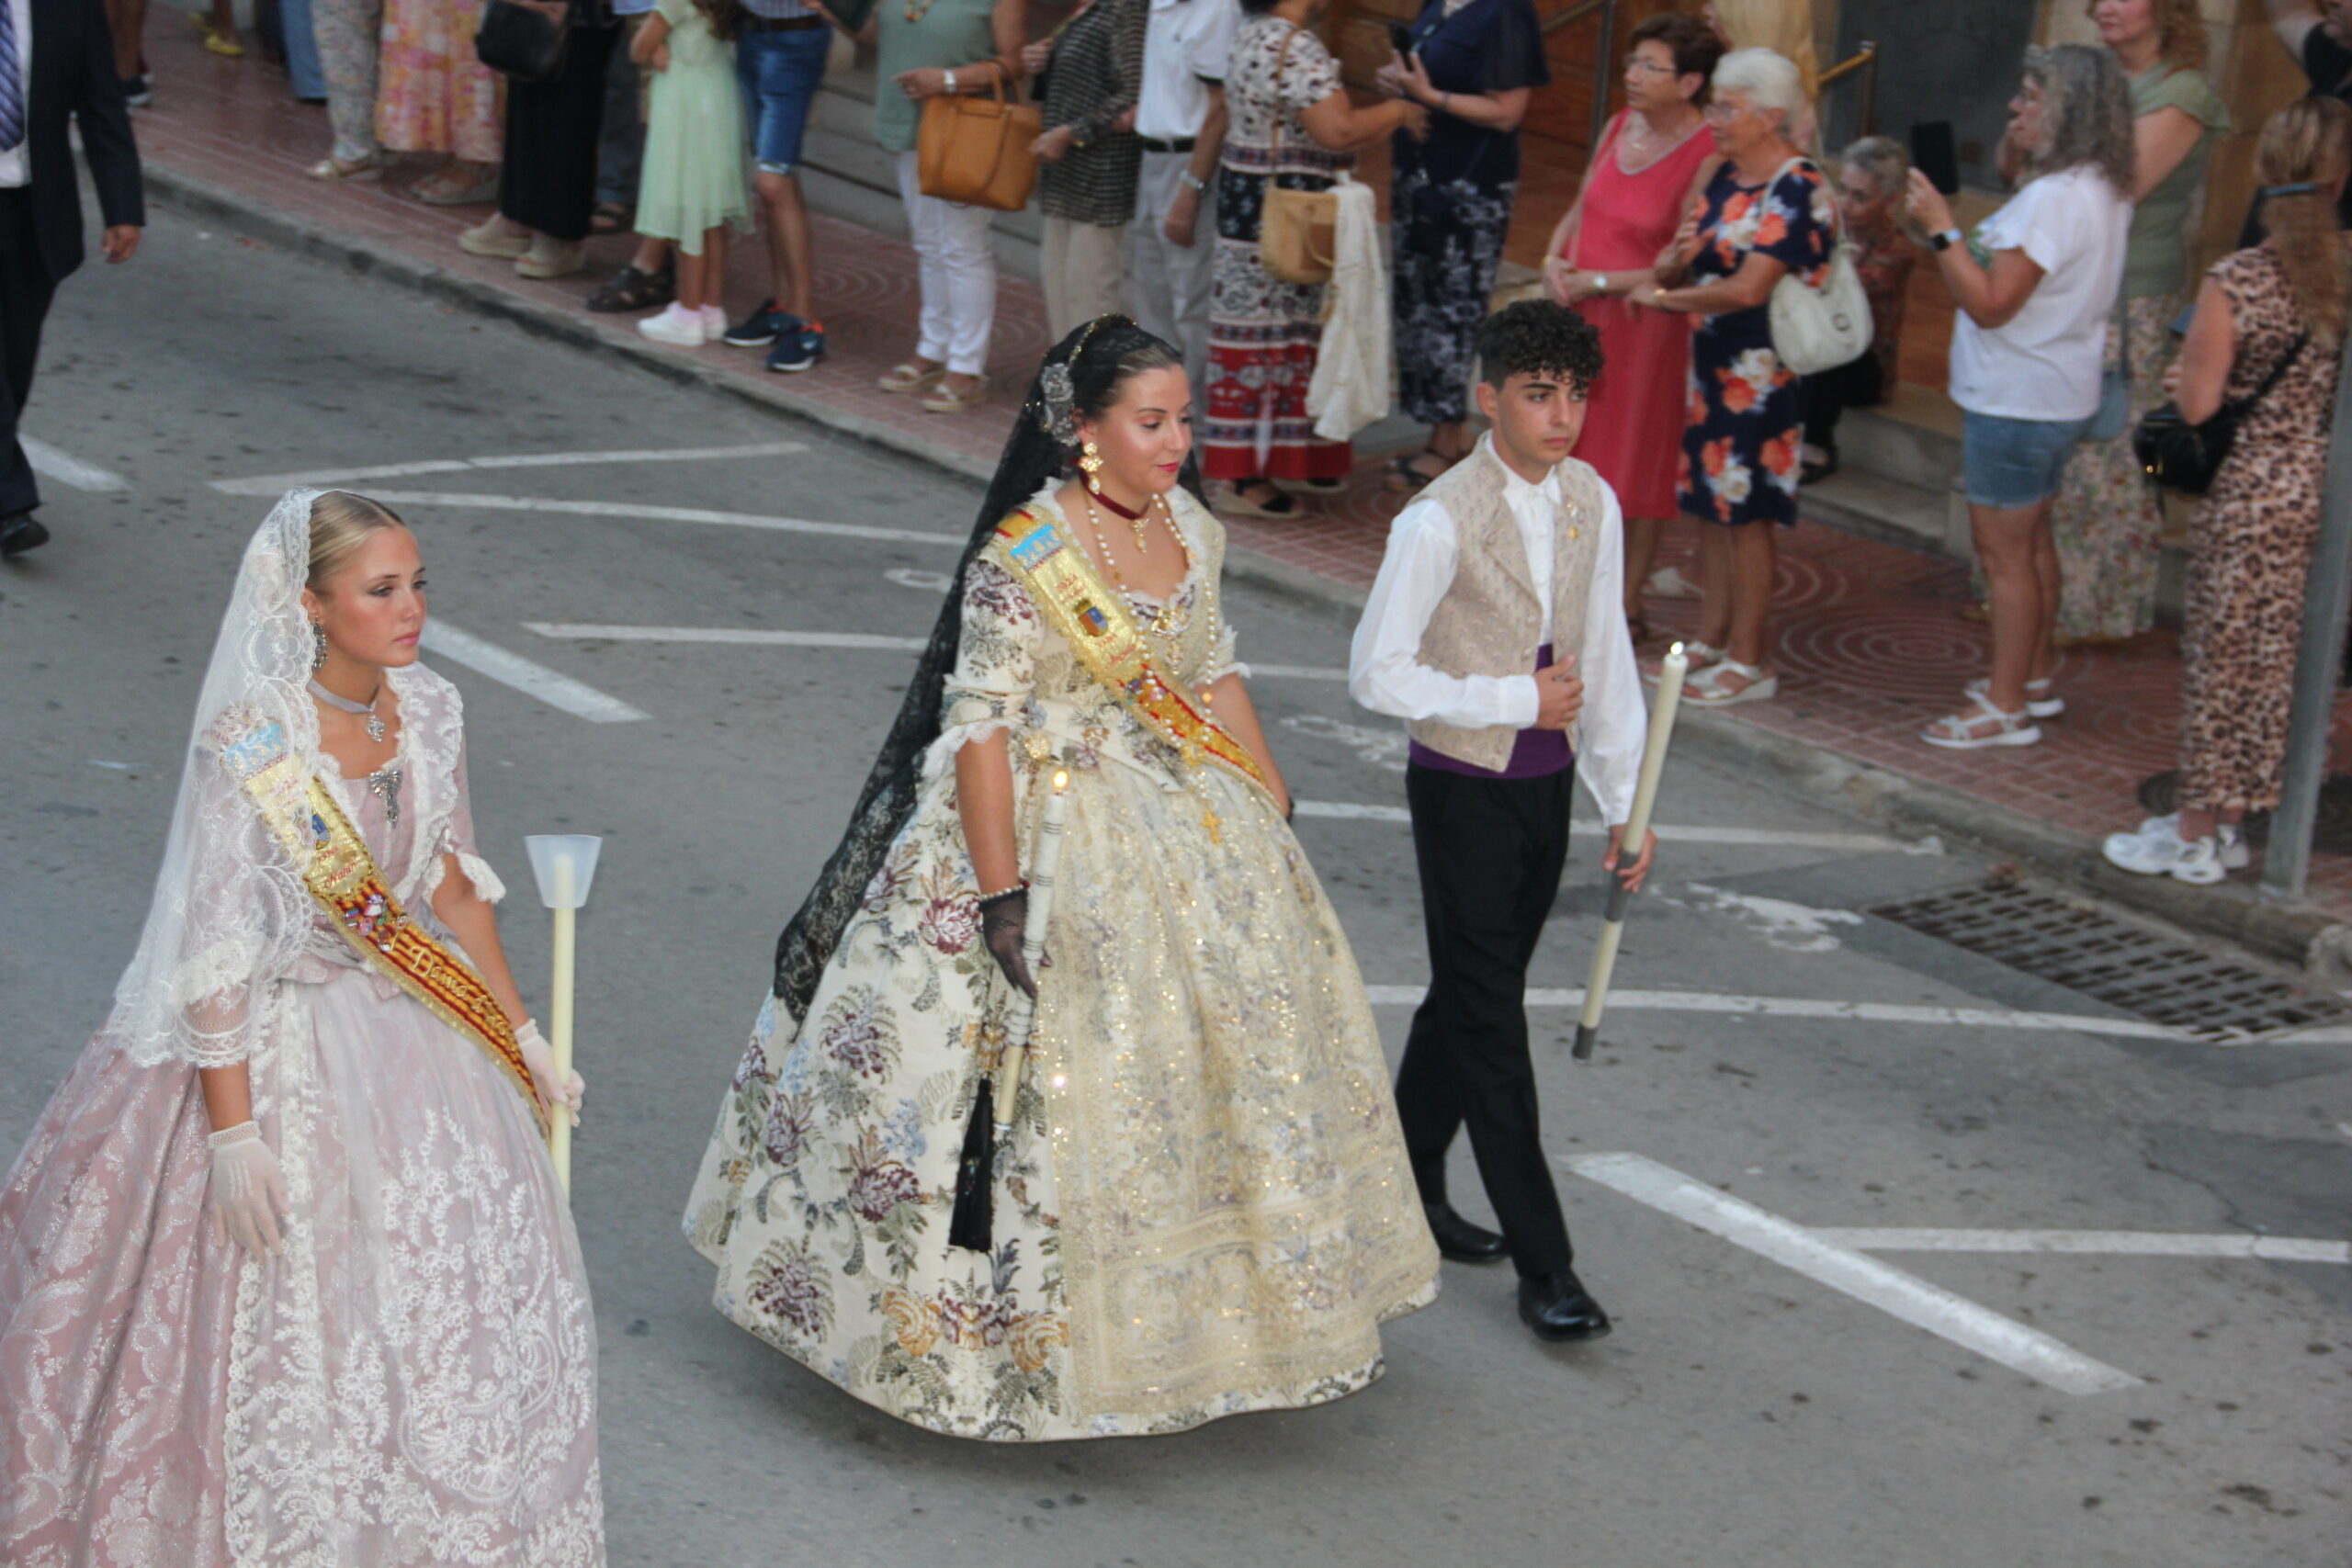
1670,675
560,986
1043,863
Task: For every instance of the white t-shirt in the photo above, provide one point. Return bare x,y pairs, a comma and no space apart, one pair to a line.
1185,48
2045,363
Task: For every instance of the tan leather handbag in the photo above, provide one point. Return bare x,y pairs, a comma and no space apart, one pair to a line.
1297,229
975,151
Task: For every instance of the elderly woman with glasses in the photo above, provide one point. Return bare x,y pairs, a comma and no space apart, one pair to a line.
1765,212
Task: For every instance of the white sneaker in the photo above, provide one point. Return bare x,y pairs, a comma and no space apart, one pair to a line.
2049,704
2229,841
676,325
714,323
2158,850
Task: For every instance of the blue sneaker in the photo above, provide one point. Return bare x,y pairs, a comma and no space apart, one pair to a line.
799,345
759,328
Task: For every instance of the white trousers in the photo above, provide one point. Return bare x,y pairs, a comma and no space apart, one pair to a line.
1081,261
1169,286
957,268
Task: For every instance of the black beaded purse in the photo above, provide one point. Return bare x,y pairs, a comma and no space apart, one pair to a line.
519,42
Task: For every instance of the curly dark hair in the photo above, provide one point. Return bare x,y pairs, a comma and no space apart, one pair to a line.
1536,337
1693,44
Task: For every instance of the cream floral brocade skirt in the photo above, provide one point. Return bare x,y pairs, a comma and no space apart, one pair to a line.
1204,1207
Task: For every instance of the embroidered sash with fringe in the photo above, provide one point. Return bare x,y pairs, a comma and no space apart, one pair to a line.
1101,632
301,811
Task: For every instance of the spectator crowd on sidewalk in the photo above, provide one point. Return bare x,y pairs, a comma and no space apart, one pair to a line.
1169,145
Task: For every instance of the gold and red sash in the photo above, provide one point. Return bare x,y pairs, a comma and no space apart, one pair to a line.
1102,633
303,813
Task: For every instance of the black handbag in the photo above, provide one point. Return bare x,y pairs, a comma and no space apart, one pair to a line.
518,43
2184,457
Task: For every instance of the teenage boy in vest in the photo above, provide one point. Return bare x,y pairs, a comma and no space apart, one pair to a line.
1498,629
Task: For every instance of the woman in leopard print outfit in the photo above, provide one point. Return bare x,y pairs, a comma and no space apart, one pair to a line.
2280,304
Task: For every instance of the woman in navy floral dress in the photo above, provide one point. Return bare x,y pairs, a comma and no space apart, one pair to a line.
1768,212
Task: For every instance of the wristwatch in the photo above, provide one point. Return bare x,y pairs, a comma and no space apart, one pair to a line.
1946,240
1193,183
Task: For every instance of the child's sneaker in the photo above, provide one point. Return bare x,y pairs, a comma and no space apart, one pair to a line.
759,328
2158,850
676,326
799,345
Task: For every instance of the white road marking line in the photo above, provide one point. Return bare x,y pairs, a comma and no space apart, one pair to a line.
552,687
270,484
2116,1244
660,515
1882,1285
915,577
66,468
746,635
741,634
1805,1007
1766,837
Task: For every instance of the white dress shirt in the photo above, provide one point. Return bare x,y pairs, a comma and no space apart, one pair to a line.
15,168
1185,44
1384,669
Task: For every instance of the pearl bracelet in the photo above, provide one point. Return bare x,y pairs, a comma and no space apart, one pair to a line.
988,898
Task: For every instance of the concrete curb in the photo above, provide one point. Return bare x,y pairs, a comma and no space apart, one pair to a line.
2297,934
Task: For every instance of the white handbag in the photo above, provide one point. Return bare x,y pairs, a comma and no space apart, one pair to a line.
1819,329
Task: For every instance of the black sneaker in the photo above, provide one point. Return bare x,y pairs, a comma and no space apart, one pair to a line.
137,93
798,346
760,328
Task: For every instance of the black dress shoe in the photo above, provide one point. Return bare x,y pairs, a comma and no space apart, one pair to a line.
1459,1240
21,533
1557,1306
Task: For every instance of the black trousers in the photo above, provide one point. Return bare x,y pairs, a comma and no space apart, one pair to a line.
1857,384
26,289
548,181
1490,853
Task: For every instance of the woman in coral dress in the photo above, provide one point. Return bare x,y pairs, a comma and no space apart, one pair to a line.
286,1277
1202,1201
1653,161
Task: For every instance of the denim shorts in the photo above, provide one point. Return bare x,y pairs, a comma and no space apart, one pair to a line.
780,73
2014,462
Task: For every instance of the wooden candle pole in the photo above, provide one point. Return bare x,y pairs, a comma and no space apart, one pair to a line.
1637,825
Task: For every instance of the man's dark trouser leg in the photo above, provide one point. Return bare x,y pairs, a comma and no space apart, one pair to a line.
24,293
1490,853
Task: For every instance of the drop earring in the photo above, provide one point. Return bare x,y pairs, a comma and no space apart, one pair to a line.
1090,463
318,645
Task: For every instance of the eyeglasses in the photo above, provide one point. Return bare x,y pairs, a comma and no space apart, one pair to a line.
1649,66
1721,109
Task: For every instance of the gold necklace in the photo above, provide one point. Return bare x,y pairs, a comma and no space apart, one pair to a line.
1164,623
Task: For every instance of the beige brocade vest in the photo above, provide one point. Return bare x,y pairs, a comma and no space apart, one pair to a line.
1490,621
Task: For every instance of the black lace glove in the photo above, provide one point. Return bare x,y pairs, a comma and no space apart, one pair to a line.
1004,920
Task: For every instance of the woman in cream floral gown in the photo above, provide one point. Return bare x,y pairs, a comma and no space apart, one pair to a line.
1202,1205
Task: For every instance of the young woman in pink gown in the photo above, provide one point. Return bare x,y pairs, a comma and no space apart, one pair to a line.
286,1276
1653,161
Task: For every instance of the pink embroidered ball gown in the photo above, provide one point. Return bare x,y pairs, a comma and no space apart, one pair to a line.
413,1379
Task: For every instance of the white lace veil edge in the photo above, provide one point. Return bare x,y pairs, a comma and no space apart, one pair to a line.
229,913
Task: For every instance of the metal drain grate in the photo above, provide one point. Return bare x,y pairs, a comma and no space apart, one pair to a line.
2144,972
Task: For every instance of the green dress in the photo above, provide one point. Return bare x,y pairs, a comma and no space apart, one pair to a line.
694,137
2105,519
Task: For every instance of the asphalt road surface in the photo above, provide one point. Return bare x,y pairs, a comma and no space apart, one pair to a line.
1785,1386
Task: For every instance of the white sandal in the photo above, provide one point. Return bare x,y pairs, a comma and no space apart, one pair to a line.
1707,690
1699,655
2042,699
1957,732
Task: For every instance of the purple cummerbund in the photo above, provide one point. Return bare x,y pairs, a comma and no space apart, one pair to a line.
1535,754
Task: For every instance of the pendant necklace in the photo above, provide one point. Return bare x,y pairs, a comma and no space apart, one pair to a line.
1137,521
1165,623
375,726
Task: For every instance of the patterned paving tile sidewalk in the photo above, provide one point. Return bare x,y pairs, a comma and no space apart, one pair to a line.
1869,636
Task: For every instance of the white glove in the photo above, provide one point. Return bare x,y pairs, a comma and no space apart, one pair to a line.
539,1056
248,1196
